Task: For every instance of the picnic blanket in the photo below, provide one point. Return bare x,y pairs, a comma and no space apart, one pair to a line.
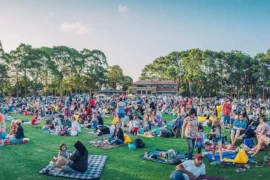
96,164
147,135
156,152
95,134
230,155
225,148
103,144
25,141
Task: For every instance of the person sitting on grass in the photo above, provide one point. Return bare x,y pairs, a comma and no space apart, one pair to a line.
75,127
13,128
216,129
100,119
262,134
190,169
2,129
19,135
87,122
34,120
78,161
63,151
239,126
118,135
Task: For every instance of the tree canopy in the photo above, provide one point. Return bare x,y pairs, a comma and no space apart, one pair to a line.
209,73
57,70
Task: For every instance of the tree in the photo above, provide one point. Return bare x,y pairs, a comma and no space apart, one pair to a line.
126,82
115,75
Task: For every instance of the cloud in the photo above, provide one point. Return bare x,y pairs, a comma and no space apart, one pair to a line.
51,14
122,8
78,28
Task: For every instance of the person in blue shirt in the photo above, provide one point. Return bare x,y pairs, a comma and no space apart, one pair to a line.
239,126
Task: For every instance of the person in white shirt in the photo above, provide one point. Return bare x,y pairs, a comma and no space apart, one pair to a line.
75,127
190,169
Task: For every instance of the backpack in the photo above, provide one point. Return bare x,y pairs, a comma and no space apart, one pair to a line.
164,134
104,129
139,143
171,157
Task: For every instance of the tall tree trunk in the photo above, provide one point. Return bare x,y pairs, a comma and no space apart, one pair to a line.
190,87
17,83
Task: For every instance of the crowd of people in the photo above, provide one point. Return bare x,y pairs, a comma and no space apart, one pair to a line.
244,118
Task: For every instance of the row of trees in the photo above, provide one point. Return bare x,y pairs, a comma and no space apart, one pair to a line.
57,70
209,73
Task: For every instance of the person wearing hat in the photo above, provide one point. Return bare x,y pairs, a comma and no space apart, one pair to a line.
190,169
19,135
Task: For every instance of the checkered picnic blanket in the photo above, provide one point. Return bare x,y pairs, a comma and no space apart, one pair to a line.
96,164
103,144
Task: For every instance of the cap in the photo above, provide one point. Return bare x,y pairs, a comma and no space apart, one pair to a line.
197,156
18,121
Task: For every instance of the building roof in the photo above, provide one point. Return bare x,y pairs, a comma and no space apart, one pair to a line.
110,90
147,82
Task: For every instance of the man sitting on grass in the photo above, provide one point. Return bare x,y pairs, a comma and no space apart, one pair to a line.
190,169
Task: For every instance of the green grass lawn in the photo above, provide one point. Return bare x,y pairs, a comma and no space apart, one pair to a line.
25,161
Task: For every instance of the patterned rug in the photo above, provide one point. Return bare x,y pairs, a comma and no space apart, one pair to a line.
96,164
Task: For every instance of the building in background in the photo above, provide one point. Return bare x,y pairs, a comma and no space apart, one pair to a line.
146,87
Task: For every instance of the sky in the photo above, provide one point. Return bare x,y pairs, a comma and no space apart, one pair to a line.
132,33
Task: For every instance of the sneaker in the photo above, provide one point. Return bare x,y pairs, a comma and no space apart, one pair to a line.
259,164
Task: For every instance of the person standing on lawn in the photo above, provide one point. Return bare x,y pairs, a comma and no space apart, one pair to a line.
226,111
217,139
190,129
121,111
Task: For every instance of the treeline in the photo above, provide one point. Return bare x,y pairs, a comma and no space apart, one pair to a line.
210,73
58,70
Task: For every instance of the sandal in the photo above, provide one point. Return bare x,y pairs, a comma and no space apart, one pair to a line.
240,170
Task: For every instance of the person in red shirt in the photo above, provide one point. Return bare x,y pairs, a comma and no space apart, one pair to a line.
92,102
226,110
34,120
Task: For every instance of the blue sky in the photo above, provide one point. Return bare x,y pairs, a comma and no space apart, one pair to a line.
133,33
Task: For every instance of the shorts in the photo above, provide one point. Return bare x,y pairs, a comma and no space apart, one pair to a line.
2,135
121,115
216,140
92,107
134,129
226,120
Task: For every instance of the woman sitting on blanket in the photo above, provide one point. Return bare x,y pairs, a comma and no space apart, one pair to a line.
13,128
78,161
19,135
2,129
118,135
34,120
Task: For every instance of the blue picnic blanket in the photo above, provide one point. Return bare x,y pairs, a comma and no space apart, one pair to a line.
230,155
182,157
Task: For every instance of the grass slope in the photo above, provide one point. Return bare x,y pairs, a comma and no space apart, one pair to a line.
25,161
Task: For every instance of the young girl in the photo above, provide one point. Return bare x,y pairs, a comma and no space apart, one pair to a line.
199,139
13,128
216,130
63,151
135,126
